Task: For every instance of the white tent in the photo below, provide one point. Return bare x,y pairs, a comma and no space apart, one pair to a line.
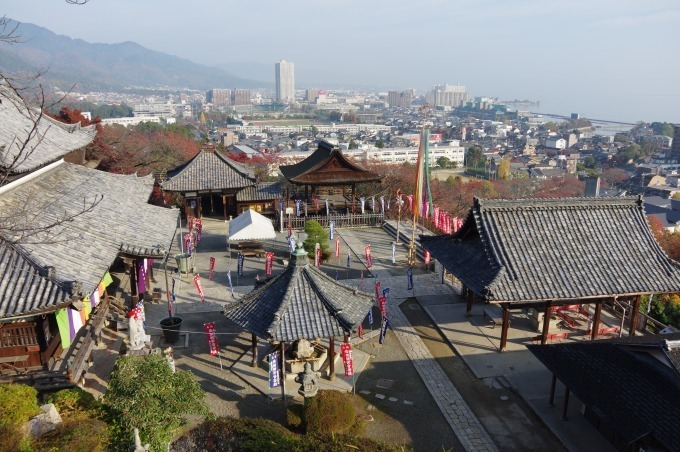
250,225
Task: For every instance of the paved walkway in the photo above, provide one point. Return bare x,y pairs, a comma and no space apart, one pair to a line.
458,414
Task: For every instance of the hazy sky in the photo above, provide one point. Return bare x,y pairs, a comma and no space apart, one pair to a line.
610,59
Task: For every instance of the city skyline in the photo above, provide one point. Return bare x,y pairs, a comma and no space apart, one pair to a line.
607,59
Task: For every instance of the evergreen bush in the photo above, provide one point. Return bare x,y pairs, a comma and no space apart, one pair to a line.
329,412
315,234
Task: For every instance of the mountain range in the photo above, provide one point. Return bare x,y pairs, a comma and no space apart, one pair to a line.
107,67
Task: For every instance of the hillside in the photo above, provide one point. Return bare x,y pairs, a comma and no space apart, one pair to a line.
99,67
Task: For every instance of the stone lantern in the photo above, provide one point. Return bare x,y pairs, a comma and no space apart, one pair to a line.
309,382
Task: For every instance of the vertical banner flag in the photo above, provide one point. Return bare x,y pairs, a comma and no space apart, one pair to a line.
382,204
319,256
409,275
188,243
369,258
373,204
383,330
441,273
382,304
190,220
361,283
348,251
197,282
370,316
199,230
360,333
394,253
274,377
316,204
290,230
362,200
327,209
332,229
281,206
377,290
239,264
268,262
410,202
212,338
291,244
337,247
346,353
337,275
427,258
297,208
171,299
231,287
212,267
386,293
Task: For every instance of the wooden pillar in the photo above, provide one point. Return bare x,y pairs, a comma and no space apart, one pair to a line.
224,207
470,300
596,321
634,315
553,384
283,370
133,282
353,189
506,326
331,356
253,341
546,324
566,403
200,206
306,195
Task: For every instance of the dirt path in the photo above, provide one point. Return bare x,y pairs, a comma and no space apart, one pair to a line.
506,417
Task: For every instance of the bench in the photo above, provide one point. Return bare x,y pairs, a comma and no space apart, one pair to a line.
251,252
495,315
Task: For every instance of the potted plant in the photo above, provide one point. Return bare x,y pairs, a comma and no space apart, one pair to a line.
171,325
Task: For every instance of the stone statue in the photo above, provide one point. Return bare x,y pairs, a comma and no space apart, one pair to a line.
138,443
138,336
170,358
309,382
302,349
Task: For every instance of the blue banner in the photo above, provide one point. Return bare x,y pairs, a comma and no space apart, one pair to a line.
281,203
239,264
291,244
332,229
410,278
383,330
274,377
386,293
229,281
370,316
297,208
348,257
337,275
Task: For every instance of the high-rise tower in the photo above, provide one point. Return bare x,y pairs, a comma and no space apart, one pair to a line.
285,81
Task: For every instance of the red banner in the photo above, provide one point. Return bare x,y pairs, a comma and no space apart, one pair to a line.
197,281
361,331
382,304
427,257
190,220
377,290
369,258
212,267
337,247
212,338
346,353
268,262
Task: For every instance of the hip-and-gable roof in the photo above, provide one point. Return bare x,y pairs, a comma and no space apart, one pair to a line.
209,170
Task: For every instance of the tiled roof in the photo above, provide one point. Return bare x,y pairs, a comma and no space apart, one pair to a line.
209,170
82,248
264,191
50,141
307,171
632,391
552,249
301,303
25,287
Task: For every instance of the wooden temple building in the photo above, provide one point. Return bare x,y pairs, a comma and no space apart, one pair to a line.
555,258
629,387
211,184
328,167
301,303
62,226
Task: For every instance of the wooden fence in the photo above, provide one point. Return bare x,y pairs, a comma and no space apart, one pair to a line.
366,220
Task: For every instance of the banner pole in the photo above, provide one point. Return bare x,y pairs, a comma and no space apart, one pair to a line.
220,358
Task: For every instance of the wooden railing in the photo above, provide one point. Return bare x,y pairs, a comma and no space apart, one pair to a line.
341,221
85,340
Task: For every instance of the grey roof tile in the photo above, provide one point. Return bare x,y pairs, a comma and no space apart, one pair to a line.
209,170
301,302
264,191
563,248
82,248
48,139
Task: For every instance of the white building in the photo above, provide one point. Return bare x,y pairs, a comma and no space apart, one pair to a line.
555,143
285,81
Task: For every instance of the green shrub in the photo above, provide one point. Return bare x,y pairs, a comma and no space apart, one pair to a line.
82,435
143,393
329,412
294,415
18,403
75,403
315,234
